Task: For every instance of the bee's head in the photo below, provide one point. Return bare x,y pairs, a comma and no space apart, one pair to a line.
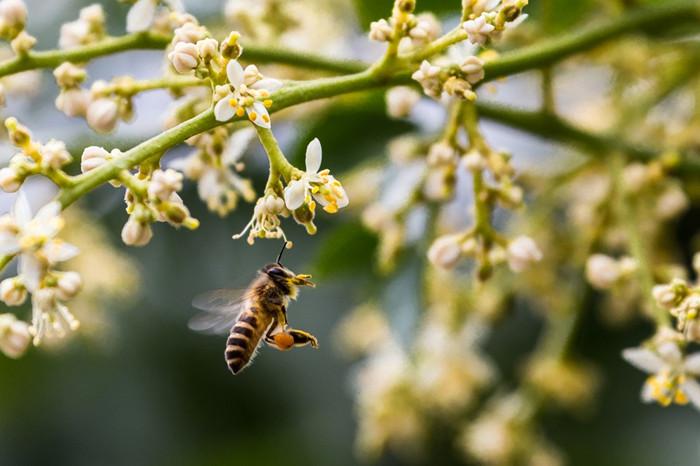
282,275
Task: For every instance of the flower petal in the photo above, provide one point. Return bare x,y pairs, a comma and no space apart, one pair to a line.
59,251
237,144
9,243
692,364
262,117
49,211
313,156
223,110
644,359
22,211
30,270
140,15
269,84
670,353
235,73
691,388
295,194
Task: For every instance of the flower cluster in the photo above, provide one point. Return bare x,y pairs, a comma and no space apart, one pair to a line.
87,29
145,14
682,300
34,157
489,18
454,80
404,29
33,240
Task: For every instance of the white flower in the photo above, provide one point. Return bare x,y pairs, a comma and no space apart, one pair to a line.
164,183
478,30
141,15
321,186
265,222
602,271
93,157
441,153
446,251
380,31
50,318
93,14
102,115
184,57
33,238
521,252
473,67
136,233
14,336
74,34
670,295
671,203
10,181
12,291
428,76
400,101
253,99
54,154
13,14
73,102
427,28
672,379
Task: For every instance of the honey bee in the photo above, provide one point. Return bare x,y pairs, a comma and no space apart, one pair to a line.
255,314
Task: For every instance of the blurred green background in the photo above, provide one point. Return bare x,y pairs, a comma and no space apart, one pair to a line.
155,393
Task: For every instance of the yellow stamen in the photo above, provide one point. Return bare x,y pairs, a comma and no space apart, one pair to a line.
312,206
233,102
331,208
253,116
266,118
267,103
240,111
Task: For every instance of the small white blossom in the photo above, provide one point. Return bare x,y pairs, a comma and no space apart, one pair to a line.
189,33
184,57
143,12
93,157
478,30
207,48
10,181
321,186
253,99
23,43
671,203
670,295
522,252
102,115
473,67
13,15
400,101
441,153
602,271
54,154
50,318
380,31
136,232
93,14
446,251
428,76
14,336
73,102
265,222
12,291
164,183
68,285
672,377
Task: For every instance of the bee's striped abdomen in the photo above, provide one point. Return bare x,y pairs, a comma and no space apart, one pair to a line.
243,339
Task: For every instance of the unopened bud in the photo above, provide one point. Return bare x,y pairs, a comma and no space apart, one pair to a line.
184,57
68,285
10,181
136,233
12,291
102,115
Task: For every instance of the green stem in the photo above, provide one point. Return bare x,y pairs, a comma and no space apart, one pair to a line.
279,165
166,82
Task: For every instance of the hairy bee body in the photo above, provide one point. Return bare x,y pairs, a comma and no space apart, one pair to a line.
267,301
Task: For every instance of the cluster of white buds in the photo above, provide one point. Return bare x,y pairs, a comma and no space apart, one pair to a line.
604,272
34,158
682,300
247,92
13,18
306,188
158,202
488,20
87,29
266,223
33,240
455,81
405,29
673,375
192,48
215,165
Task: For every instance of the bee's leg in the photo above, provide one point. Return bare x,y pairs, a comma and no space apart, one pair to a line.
302,338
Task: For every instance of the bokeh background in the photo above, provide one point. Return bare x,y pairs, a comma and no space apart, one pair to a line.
138,388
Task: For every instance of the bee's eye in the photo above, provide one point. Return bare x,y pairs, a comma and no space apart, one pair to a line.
277,272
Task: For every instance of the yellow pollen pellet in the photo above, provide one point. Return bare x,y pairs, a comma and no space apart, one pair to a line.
253,116
240,111
267,103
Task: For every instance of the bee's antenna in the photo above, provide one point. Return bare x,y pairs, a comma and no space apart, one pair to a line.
279,257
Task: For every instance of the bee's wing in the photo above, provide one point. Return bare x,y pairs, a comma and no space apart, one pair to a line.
221,308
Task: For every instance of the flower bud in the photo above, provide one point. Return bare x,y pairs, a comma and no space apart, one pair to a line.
68,75
10,181
458,87
69,284
207,48
73,34
164,183
102,115
23,43
230,48
94,15
19,134
14,336
251,75
54,154
473,68
669,295
602,271
73,102
274,205
189,33
93,157
12,291
184,57
380,31
136,233
13,17
441,153
521,252
445,251
400,101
